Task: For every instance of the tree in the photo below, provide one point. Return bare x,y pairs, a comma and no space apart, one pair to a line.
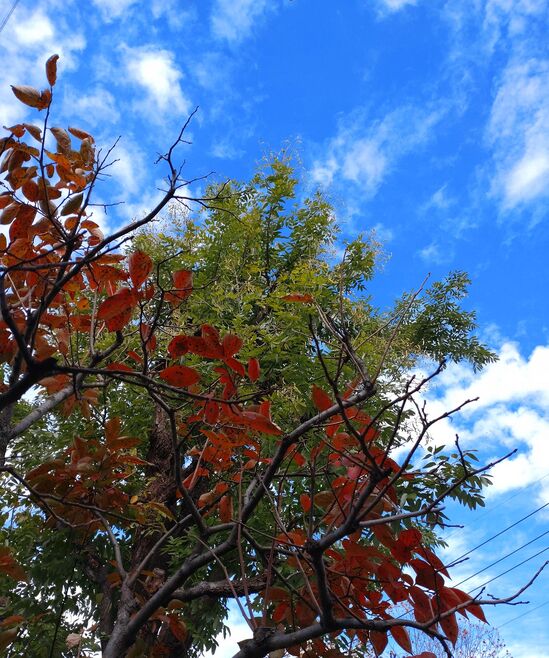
474,641
208,414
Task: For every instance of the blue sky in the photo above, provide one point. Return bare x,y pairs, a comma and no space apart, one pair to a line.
426,120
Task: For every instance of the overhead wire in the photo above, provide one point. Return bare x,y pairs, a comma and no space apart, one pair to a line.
498,534
8,15
502,502
524,614
516,566
503,558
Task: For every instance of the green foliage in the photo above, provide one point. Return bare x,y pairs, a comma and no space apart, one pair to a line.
260,243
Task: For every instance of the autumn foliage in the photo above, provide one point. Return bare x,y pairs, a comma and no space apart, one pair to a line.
300,520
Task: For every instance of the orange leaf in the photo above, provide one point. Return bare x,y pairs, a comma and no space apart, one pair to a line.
51,69
80,134
321,399
253,370
305,501
180,376
9,566
140,266
297,297
31,96
183,279
226,509
121,301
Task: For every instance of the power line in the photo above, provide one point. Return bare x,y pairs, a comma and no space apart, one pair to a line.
528,612
504,557
501,532
8,15
503,573
502,502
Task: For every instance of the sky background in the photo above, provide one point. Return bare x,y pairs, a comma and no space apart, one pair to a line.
425,120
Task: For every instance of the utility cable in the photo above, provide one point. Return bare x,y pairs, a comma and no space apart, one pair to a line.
503,558
502,502
503,573
8,15
501,532
528,612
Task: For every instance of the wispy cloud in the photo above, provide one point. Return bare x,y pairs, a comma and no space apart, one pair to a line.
365,150
518,131
113,9
395,5
234,20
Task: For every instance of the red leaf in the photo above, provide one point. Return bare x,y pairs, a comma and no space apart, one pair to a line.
121,301
178,346
379,641
236,366
147,336
140,266
450,627
231,345
258,422
401,637
280,612
119,321
321,399
211,412
253,370
115,365
410,538
183,284
305,501
297,297
180,376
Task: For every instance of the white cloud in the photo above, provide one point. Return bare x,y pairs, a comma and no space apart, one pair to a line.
512,412
396,5
433,254
519,132
365,151
113,9
97,107
34,30
174,13
234,20
128,168
28,39
155,71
